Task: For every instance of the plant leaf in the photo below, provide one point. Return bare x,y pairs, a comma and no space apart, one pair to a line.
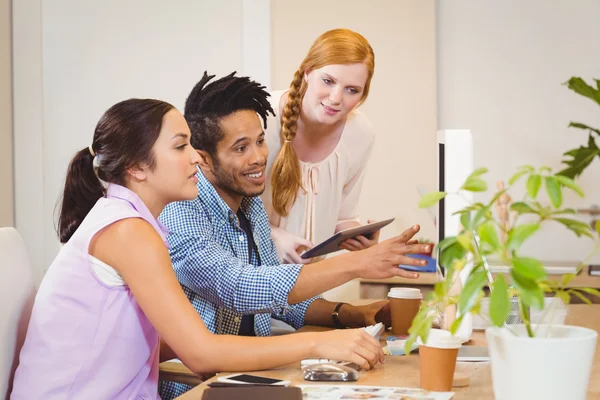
466,240
465,220
517,235
598,227
456,324
566,278
420,327
564,296
499,301
516,177
569,221
477,172
529,267
530,292
475,185
488,234
528,168
554,191
580,295
470,293
581,158
483,213
591,291
521,207
577,227
533,185
452,252
570,183
415,327
565,211
579,125
447,241
579,86
431,198
496,197
439,289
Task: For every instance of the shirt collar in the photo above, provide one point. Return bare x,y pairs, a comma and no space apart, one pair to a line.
208,194
120,192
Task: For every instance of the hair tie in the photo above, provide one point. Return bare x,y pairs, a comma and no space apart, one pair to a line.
287,141
91,151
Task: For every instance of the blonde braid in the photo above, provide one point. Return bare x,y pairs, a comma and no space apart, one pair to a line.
286,177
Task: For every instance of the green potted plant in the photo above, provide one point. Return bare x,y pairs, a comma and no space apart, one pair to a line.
526,363
581,157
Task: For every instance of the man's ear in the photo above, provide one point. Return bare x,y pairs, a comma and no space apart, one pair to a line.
206,161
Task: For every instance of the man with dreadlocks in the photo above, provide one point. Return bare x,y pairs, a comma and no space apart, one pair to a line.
220,243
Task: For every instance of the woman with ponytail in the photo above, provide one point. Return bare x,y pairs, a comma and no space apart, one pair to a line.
110,304
319,145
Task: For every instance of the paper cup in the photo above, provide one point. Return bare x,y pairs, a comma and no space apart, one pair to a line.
404,305
437,360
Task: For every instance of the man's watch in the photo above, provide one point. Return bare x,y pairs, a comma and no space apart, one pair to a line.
335,316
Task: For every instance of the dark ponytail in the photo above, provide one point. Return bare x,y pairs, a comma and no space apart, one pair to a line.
123,138
82,191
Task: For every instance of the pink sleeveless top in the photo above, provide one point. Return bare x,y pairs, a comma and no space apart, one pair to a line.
88,340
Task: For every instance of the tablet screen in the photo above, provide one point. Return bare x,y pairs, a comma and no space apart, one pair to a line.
332,244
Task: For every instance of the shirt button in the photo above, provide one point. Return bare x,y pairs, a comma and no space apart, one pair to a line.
237,319
241,238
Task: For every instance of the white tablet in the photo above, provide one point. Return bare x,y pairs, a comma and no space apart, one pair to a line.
332,244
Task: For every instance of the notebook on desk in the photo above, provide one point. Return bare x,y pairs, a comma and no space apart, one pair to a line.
249,392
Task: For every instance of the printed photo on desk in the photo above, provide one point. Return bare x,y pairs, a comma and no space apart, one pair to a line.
333,392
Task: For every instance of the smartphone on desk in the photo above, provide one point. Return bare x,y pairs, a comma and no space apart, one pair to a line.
246,379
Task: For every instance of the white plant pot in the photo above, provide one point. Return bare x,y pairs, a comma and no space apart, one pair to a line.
556,364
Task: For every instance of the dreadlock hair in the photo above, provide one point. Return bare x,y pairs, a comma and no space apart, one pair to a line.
208,103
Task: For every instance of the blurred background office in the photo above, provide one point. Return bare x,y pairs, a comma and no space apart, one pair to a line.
493,67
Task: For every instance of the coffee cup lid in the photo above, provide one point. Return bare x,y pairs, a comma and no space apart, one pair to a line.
405,293
441,339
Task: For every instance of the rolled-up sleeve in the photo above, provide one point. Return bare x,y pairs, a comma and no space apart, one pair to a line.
295,316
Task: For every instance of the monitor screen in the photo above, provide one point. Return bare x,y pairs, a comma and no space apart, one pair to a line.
455,164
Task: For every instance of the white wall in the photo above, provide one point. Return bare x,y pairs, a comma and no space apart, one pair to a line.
6,141
75,59
500,69
28,128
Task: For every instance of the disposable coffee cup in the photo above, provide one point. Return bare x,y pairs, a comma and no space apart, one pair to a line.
404,306
437,360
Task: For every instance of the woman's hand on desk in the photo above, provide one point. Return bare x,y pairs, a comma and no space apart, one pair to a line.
354,345
289,246
382,260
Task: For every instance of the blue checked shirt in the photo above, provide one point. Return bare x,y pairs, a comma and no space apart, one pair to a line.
209,251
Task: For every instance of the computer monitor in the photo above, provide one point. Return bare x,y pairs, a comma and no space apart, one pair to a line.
455,164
